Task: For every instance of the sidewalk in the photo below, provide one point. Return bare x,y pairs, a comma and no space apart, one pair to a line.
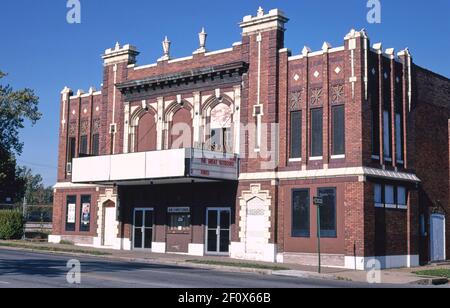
394,276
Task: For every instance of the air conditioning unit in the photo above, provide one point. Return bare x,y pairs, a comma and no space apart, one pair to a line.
69,168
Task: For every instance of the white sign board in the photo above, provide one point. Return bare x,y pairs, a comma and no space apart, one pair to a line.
216,166
71,210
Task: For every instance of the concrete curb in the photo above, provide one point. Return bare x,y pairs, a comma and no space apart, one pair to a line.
430,281
305,275
221,268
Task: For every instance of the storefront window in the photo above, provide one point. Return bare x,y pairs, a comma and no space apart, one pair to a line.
71,207
85,217
300,213
179,219
328,228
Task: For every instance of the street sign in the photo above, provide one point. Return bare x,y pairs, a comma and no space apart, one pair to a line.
318,201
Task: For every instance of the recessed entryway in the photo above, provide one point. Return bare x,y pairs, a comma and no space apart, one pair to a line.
143,228
218,235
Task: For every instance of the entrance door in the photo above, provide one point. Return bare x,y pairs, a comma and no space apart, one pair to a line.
218,233
143,229
437,237
109,234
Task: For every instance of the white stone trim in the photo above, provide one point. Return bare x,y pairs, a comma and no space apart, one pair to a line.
69,185
180,59
338,156
241,250
145,66
386,262
54,239
196,250
216,52
327,173
268,253
316,158
158,247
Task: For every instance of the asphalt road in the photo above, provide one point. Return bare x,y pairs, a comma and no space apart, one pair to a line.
20,269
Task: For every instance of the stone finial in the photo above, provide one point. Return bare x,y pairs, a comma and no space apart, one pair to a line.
66,90
92,90
260,12
326,46
202,40
166,49
306,50
117,47
80,92
404,53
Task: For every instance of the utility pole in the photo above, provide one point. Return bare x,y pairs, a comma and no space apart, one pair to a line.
24,214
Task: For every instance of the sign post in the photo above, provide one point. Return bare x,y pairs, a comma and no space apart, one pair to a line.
318,202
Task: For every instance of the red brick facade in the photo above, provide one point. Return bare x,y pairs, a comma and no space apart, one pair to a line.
396,138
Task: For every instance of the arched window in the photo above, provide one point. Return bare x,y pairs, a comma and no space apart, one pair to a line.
180,135
221,128
146,133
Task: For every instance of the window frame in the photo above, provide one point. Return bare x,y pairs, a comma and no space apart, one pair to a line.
70,227
334,151
297,233
298,155
313,141
95,145
333,234
83,200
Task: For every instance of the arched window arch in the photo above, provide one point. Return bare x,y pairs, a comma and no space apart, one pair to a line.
146,134
221,126
180,134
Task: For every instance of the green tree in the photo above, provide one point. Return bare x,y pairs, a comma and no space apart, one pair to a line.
15,108
35,192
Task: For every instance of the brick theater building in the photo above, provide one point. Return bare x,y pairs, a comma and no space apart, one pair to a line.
223,153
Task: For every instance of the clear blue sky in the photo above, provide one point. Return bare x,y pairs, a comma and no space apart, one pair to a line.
40,50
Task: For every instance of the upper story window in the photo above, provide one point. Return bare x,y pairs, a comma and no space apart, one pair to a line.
399,137
338,130
95,144
84,145
317,132
387,135
221,128
296,135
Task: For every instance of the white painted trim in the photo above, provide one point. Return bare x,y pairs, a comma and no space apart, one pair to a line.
386,262
54,239
180,59
211,53
338,156
295,160
316,158
145,66
390,206
379,205
196,250
68,185
293,58
327,173
158,247
336,49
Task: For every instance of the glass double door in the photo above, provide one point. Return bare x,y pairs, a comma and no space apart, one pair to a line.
218,233
143,229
